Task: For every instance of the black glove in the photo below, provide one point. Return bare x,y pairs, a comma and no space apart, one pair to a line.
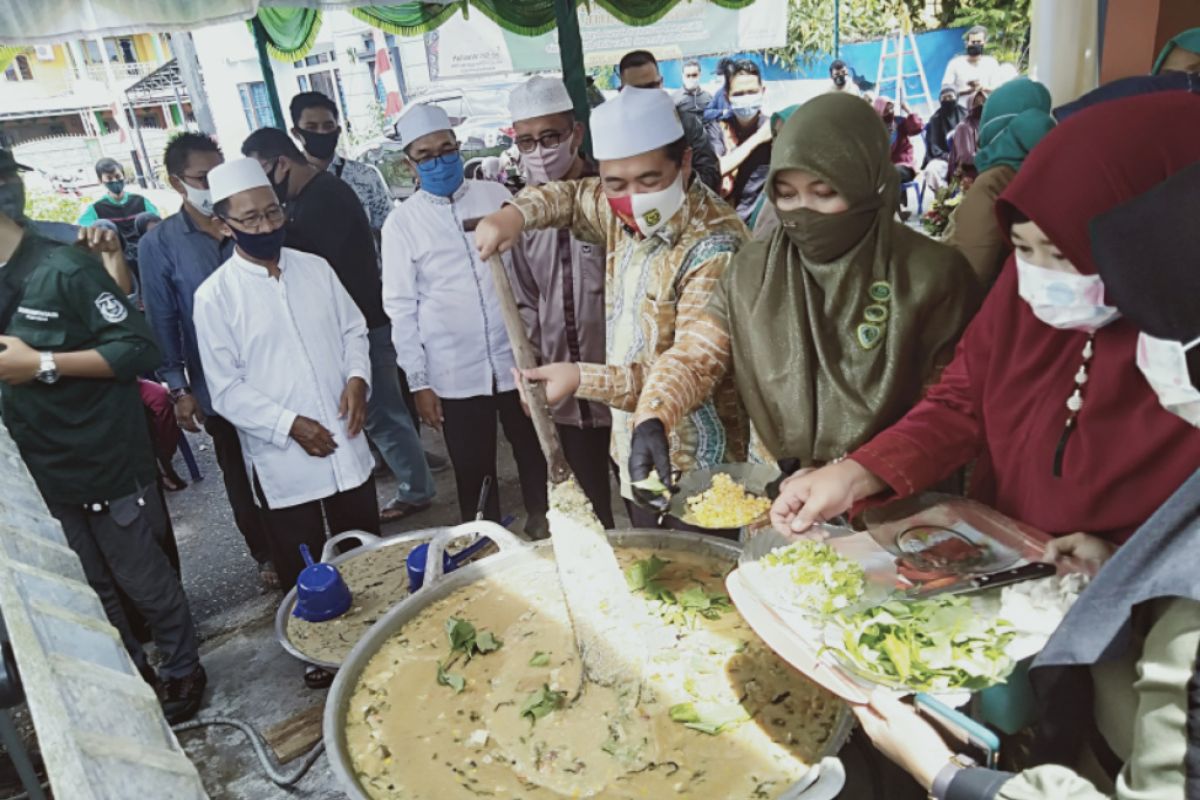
648,451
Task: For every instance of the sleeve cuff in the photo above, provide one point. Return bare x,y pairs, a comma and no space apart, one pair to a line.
283,428
593,383
526,213
174,377
417,381
976,784
365,376
126,359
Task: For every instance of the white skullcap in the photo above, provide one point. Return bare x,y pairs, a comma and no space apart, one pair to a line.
226,180
421,119
538,97
637,121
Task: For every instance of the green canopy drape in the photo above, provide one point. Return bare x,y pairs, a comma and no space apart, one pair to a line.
291,32
8,53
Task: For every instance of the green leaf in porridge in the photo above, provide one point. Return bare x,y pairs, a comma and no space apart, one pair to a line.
710,718
455,682
465,640
540,659
643,573
486,642
822,579
542,702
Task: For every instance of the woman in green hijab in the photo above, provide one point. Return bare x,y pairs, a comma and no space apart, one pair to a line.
1181,54
1015,118
834,324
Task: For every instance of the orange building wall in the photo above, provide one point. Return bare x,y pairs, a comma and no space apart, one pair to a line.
1136,30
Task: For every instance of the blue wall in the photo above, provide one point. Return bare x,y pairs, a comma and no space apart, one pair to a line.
937,48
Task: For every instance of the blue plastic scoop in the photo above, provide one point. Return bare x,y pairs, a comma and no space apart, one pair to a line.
321,594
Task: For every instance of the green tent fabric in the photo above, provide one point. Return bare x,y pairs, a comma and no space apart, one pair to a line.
292,31
8,53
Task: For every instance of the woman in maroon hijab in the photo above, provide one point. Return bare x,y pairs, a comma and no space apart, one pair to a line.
1044,392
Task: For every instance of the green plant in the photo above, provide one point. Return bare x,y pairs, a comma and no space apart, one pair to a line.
811,24
53,207
374,127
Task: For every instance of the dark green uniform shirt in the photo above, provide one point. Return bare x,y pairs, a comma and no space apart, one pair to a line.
84,440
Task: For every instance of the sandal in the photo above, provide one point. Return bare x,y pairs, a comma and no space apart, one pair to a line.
318,677
268,575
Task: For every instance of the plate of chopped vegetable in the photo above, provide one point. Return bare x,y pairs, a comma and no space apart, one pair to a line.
728,496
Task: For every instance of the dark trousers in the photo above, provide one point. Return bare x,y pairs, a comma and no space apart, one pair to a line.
246,516
470,433
121,545
586,450
288,528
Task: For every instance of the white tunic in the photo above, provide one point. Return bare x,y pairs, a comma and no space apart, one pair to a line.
960,72
446,320
273,350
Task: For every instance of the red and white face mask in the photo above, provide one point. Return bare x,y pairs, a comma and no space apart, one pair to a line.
646,213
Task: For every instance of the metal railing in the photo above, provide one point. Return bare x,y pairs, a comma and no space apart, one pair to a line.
123,72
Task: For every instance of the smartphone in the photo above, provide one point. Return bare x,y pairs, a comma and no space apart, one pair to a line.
972,738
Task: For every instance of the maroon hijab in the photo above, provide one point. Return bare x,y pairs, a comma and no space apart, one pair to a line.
1127,454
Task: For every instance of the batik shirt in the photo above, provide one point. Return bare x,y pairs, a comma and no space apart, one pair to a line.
368,183
656,289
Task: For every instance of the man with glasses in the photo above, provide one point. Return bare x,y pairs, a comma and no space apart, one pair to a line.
287,361
558,279
639,69
326,218
447,323
176,257
692,98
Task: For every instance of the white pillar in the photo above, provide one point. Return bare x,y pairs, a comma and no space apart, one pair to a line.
1063,47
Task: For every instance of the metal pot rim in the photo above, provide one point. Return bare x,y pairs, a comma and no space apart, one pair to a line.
411,607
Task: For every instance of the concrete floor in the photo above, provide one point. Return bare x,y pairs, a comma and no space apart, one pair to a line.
250,676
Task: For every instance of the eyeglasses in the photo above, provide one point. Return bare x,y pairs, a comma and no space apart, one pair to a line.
447,155
691,74
200,179
273,216
549,140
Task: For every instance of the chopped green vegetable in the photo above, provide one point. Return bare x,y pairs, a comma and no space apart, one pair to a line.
652,483
710,718
542,702
821,578
464,639
455,682
679,609
932,645
540,659
643,572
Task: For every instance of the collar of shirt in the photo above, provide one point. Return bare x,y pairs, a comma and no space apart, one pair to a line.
248,266
438,200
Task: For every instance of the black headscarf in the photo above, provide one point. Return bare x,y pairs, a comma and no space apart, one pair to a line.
937,132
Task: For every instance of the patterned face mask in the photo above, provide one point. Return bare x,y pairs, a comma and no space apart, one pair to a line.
1064,300
1164,364
648,212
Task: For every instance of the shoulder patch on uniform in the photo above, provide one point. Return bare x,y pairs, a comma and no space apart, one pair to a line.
112,309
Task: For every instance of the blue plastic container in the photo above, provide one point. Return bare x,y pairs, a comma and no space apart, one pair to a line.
321,594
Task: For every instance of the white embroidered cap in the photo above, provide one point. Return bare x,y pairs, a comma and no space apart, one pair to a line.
637,121
538,97
421,119
226,180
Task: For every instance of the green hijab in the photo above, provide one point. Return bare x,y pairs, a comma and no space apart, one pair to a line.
825,355
1015,118
1188,40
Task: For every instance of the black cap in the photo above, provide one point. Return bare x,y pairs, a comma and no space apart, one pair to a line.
9,164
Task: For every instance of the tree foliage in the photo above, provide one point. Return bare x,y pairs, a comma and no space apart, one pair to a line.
810,25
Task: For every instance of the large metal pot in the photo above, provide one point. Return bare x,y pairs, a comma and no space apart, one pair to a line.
370,545
823,782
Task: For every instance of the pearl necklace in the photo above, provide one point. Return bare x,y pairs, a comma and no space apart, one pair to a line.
1074,404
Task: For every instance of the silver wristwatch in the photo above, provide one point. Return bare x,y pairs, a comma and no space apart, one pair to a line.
48,370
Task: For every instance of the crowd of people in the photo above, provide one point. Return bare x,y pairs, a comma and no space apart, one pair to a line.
1046,352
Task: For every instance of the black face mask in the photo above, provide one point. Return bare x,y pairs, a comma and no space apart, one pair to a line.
280,187
839,80
949,104
320,145
974,49
115,188
262,246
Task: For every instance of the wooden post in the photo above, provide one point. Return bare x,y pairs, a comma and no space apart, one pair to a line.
526,358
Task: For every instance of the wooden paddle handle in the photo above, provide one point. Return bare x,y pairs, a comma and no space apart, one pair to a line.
526,358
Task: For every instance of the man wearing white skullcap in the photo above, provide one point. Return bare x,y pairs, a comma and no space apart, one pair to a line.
667,247
446,319
558,279
286,360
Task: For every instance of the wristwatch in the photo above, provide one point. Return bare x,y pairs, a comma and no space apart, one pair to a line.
47,369
182,391
941,782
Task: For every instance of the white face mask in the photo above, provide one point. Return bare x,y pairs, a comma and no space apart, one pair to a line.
199,199
690,83
649,211
1065,300
1164,364
746,106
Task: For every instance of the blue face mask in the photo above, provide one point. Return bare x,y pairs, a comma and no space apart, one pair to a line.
441,175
